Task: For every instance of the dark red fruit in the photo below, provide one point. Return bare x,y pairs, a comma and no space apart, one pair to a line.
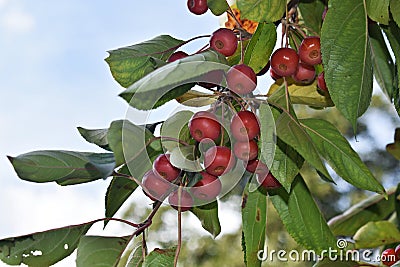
219,160
208,188
197,7
267,180
321,82
204,124
177,55
304,74
264,70
212,78
256,166
241,79
154,186
310,50
163,167
397,252
224,41
245,125
388,257
185,201
247,150
274,76
284,61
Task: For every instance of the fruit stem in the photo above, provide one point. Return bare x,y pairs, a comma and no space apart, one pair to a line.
178,247
202,49
144,246
242,48
299,30
294,40
286,94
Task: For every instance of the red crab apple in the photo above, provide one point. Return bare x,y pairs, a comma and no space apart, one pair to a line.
397,252
154,186
204,124
185,201
247,150
197,7
304,74
219,160
163,167
256,166
244,125
177,55
389,257
273,74
284,61
208,188
310,50
224,41
321,82
267,180
241,79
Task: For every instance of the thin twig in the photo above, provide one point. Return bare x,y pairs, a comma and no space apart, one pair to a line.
179,245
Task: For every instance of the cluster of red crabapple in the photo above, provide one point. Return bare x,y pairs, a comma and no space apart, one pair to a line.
161,182
204,126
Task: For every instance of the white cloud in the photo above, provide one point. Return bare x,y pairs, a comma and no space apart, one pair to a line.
3,3
16,21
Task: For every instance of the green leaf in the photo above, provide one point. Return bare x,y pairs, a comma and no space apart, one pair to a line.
184,159
63,167
217,7
337,151
132,256
95,136
378,10
118,192
374,208
176,127
393,35
375,234
302,218
130,144
286,162
160,258
193,98
311,13
172,80
384,67
267,142
254,217
259,49
208,216
303,94
131,63
100,250
292,133
262,11
394,148
346,56
395,10
42,249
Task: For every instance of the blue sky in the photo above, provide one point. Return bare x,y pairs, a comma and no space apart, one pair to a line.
53,79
